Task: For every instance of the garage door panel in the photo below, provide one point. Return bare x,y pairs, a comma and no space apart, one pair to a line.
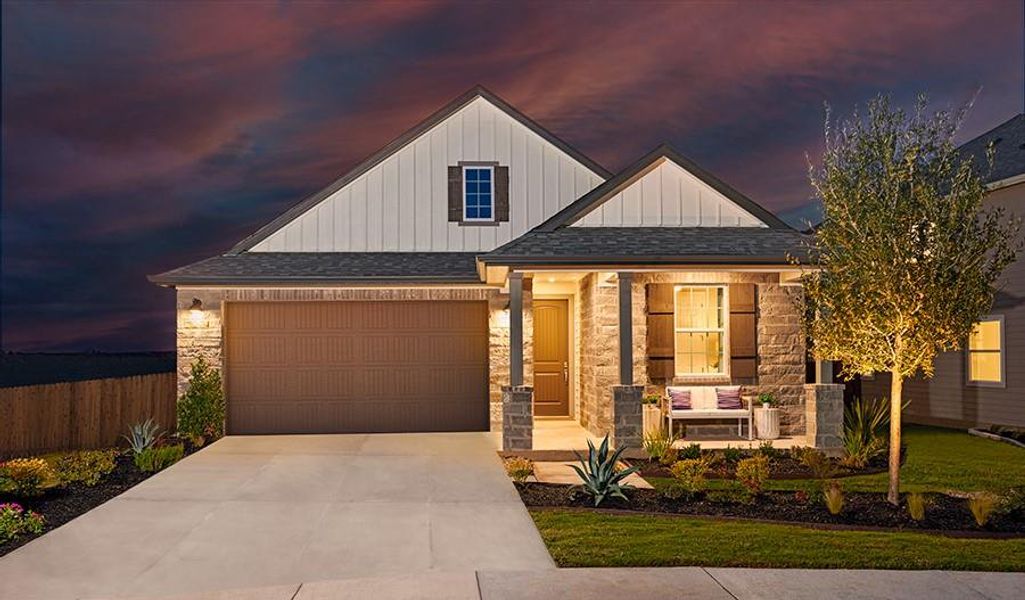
321,367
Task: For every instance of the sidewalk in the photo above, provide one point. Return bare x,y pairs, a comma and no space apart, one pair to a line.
683,583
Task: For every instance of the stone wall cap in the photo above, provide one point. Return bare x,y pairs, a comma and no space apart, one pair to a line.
824,386
517,388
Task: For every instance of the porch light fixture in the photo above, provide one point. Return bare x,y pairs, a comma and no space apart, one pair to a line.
196,312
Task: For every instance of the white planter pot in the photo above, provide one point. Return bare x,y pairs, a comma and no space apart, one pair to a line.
767,423
651,416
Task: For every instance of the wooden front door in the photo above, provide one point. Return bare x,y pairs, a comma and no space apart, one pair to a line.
551,358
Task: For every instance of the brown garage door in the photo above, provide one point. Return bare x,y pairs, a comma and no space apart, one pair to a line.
349,367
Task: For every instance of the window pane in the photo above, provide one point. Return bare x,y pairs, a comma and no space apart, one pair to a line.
485,175
471,174
485,212
485,197
986,336
698,353
471,212
984,366
700,308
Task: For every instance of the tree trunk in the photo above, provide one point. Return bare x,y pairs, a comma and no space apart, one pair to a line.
896,386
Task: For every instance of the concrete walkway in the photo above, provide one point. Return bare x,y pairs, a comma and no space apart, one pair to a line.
251,512
683,583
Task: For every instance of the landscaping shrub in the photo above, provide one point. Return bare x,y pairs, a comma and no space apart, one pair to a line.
752,473
732,455
15,521
767,450
732,495
832,493
691,452
982,506
601,474
1012,503
818,463
27,477
917,503
658,443
143,435
201,407
158,458
864,425
519,468
87,467
689,474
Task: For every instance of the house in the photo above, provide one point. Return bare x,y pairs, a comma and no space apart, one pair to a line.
478,273
979,385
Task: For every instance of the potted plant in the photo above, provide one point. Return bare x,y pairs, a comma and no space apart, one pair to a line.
651,413
767,417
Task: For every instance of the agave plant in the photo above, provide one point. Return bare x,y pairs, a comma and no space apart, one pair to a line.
143,435
864,424
600,474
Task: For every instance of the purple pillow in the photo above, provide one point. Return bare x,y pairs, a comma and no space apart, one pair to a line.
728,398
680,399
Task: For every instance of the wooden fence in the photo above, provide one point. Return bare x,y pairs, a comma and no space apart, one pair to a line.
82,414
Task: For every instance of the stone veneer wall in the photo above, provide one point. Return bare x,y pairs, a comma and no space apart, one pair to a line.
203,335
781,345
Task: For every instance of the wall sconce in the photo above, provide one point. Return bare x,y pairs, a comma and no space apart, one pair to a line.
196,312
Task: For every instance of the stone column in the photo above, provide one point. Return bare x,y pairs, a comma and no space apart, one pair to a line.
515,329
517,417
626,340
823,405
627,425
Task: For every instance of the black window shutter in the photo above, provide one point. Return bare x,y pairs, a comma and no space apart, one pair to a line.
502,194
455,194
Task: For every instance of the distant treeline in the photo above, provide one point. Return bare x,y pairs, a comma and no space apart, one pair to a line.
36,368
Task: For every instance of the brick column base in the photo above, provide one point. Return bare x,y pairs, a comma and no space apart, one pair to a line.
823,405
517,417
627,424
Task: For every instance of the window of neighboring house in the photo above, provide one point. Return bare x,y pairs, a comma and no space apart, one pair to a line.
699,320
986,351
478,193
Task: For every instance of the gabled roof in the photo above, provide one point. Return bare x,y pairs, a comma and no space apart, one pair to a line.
1008,141
588,202
652,246
273,268
403,140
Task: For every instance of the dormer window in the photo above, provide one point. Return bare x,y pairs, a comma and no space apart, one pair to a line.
478,193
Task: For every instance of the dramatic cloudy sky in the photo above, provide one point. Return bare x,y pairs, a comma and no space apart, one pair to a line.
141,136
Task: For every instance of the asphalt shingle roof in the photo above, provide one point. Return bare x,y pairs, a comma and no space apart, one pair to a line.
283,267
1009,149
652,245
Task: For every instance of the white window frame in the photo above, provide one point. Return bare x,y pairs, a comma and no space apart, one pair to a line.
490,169
1002,352
725,330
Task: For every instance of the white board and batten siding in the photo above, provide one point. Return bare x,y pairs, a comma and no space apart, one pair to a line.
669,196
401,204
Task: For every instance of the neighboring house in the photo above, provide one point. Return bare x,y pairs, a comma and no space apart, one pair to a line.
984,384
477,251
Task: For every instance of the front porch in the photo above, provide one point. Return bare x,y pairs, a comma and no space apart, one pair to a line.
630,334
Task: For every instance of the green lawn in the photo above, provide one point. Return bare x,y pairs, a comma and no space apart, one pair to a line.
579,539
938,460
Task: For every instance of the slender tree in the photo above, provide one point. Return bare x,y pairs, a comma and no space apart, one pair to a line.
907,257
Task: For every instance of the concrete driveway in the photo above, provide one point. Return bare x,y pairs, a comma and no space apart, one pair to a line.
259,511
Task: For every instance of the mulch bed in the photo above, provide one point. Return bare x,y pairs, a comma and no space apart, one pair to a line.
61,505
783,466
945,514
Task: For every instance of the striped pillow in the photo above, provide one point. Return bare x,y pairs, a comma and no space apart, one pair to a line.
680,399
728,398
